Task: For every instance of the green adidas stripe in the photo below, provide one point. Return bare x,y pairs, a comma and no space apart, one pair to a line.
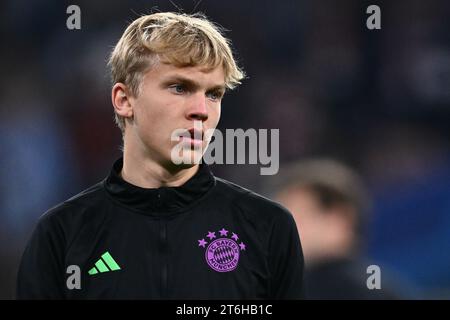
112,264
101,266
93,271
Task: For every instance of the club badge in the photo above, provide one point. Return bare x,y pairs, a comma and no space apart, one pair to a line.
223,251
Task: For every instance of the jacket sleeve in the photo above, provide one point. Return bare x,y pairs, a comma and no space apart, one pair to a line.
41,273
286,260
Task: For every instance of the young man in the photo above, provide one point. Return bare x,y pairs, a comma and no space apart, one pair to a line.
156,228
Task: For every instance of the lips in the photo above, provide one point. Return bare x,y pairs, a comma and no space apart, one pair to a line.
196,135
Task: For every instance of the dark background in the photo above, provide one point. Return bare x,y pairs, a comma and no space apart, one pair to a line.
376,100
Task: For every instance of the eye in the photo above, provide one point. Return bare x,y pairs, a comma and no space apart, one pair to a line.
214,96
178,88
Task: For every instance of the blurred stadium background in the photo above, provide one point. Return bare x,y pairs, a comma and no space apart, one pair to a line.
378,101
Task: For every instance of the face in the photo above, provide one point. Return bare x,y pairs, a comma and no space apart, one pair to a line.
308,216
173,98
323,232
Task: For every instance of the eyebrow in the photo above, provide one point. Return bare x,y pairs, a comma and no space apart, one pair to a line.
190,83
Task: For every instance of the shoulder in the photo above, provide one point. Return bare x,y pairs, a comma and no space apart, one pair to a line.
73,209
251,203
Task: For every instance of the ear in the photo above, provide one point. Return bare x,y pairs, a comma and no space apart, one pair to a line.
120,97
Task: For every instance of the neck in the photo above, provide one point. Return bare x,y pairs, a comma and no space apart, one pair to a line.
145,172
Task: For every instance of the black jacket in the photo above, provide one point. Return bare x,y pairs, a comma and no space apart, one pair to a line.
207,239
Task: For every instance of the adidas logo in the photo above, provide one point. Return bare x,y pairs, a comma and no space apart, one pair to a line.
105,264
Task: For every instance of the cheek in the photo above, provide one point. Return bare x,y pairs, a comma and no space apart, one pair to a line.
149,121
214,116
152,111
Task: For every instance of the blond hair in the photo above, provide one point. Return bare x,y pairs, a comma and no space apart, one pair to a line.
175,38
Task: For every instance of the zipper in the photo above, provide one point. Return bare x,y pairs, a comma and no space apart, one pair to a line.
164,257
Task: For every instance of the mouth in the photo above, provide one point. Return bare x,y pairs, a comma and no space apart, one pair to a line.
196,135
194,138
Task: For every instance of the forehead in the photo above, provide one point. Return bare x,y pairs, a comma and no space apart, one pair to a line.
202,75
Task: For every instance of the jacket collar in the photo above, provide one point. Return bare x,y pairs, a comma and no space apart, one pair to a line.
161,200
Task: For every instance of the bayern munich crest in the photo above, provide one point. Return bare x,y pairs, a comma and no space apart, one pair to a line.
222,251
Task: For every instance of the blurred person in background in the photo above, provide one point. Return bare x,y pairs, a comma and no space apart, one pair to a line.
330,205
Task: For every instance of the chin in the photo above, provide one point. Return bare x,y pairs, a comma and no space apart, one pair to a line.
192,158
184,166
186,155
188,158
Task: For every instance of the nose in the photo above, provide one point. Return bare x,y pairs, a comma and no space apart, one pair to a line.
198,109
